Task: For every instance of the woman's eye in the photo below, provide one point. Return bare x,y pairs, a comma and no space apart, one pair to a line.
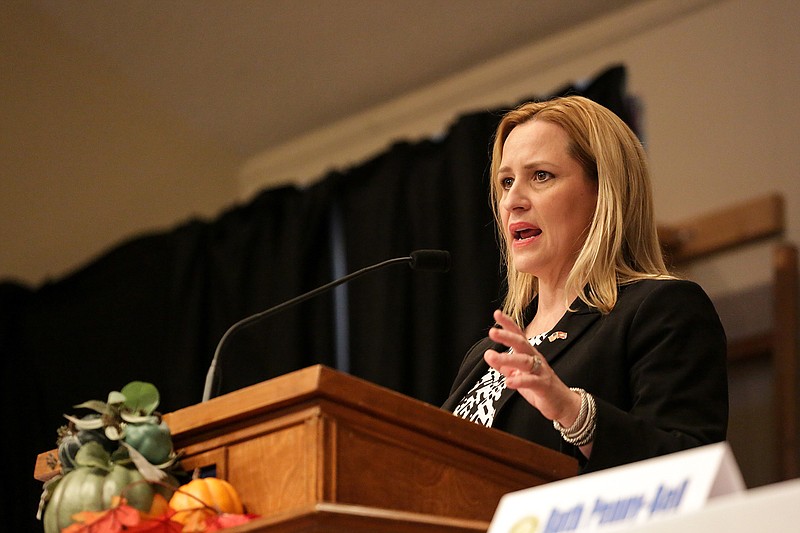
541,175
506,183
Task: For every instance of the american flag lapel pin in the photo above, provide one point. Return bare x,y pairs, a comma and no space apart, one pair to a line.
557,335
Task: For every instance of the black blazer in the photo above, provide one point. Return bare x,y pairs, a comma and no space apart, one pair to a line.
656,366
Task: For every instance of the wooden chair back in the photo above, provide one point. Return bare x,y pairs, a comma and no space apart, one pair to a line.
762,328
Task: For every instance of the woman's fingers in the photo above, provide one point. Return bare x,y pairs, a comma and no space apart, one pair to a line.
528,362
517,342
509,333
527,371
506,322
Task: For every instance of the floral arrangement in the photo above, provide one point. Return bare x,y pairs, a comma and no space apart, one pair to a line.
119,472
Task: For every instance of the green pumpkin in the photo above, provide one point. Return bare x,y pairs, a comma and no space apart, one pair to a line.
88,488
151,440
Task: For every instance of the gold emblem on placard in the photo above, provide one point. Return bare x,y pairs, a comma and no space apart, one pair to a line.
529,524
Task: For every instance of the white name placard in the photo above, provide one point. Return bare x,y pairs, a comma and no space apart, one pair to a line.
632,494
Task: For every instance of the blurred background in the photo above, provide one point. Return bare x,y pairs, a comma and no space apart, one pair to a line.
171,166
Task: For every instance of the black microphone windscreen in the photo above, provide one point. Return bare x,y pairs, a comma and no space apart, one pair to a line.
431,260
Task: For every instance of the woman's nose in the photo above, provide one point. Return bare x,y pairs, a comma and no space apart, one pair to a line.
515,198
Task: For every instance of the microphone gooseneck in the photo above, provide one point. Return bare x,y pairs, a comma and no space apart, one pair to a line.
430,260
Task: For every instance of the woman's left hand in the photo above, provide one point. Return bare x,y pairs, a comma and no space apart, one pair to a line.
527,371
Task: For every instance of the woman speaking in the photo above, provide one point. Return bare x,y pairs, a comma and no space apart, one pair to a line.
598,352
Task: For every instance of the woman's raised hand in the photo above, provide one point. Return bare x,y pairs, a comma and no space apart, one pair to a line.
527,371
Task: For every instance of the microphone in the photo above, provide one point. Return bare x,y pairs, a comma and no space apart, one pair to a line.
424,260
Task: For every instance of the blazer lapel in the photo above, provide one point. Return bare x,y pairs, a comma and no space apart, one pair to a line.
477,368
570,328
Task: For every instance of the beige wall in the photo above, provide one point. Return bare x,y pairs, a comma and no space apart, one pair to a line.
85,159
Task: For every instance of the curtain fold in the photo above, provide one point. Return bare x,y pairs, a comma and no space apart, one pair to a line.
154,307
411,328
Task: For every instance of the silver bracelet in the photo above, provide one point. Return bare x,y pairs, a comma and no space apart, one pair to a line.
581,432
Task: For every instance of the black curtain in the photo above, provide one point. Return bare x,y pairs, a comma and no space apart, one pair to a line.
154,308
410,329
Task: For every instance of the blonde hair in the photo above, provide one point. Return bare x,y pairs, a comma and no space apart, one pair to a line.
621,244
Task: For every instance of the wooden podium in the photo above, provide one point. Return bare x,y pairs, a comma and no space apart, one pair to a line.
318,450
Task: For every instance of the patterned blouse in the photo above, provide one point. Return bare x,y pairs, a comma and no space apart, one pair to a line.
478,404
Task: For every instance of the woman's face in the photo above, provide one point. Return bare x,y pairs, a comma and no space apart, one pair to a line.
547,201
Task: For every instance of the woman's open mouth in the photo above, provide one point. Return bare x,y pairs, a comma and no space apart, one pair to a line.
523,232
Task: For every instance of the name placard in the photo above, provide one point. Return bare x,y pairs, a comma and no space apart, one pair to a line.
627,495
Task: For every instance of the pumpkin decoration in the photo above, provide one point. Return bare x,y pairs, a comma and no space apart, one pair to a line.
212,494
91,486
119,459
123,445
72,440
153,441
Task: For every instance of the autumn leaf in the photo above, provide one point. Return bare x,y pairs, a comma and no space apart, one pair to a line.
158,508
194,520
224,520
159,524
107,521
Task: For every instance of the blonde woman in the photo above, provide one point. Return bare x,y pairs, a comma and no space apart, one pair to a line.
598,352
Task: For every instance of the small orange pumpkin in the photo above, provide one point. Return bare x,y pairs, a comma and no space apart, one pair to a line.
213,492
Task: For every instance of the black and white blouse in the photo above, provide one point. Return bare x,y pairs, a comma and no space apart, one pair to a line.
478,404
